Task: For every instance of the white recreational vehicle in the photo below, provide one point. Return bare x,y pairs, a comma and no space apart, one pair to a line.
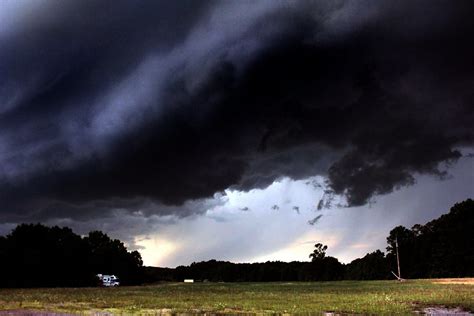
108,280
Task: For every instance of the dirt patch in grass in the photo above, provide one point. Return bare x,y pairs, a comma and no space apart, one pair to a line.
455,281
22,312
437,311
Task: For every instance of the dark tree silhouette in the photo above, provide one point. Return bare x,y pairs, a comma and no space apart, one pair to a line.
443,247
111,257
33,255
373,266
319,252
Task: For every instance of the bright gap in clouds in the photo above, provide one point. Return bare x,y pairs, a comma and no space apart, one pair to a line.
272,223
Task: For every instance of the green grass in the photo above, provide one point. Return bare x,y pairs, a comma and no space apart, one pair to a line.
367,297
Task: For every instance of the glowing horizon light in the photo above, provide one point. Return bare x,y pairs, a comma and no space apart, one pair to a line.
155,249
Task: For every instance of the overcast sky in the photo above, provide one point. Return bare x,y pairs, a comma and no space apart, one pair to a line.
235,130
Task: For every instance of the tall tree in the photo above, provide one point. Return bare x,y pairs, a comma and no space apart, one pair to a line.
319,252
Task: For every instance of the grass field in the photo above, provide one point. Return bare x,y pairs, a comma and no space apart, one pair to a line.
365,297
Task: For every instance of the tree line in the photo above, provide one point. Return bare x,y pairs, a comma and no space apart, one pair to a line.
443,247
34,255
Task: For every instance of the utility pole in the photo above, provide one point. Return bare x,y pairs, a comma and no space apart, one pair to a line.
399,277
398,259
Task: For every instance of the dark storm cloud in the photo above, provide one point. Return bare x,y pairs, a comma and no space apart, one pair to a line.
117,105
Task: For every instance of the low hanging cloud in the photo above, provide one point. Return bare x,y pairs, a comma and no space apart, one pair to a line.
139,106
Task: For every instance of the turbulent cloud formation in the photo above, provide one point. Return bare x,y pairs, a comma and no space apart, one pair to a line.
138,105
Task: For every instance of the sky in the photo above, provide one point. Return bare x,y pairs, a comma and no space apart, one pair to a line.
235,130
